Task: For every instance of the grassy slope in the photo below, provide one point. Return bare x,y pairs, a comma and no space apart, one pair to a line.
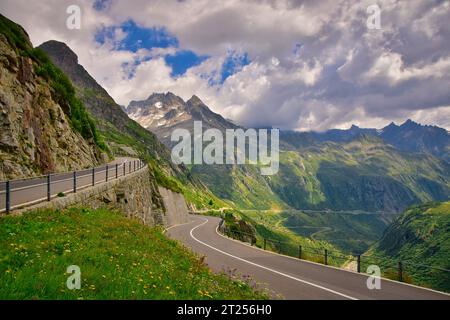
419,236
119,259
241,185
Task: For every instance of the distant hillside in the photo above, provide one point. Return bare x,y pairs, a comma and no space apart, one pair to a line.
44,126
419,237
411,136
338,135
363,174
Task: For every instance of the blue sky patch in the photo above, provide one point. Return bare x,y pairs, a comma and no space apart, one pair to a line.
137,37
183,60
233,64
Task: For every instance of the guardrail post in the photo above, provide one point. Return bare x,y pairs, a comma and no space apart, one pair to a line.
8,197
129,167
358,267
117,170
107,169
400,271
48,187
93,176
265,242
74,182
134,165
326,257
299,251
124,170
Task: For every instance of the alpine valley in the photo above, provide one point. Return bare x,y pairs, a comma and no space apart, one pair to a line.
380,192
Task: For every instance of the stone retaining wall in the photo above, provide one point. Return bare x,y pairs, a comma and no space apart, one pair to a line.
136,195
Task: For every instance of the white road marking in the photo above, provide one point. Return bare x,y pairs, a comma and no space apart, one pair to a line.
266,268
177,225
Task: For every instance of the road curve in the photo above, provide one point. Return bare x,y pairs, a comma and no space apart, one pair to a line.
289,277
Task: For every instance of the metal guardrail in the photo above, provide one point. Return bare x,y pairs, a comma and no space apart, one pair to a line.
394,270
20,193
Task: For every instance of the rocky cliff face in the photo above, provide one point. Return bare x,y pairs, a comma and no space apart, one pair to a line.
36,136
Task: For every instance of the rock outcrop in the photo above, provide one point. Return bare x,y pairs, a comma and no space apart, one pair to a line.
36,136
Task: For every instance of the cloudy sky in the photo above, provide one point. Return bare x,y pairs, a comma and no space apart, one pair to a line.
304,65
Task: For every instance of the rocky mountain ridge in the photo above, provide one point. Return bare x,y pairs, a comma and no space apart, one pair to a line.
162,113
409,136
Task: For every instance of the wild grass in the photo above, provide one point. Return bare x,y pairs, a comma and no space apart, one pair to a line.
119,259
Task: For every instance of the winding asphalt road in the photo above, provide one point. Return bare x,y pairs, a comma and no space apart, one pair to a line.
286,277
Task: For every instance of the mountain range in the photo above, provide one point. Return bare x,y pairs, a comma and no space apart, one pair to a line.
409,136
356,169
368,170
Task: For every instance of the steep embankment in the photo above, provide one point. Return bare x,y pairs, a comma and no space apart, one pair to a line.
419,237
118,259
43,126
